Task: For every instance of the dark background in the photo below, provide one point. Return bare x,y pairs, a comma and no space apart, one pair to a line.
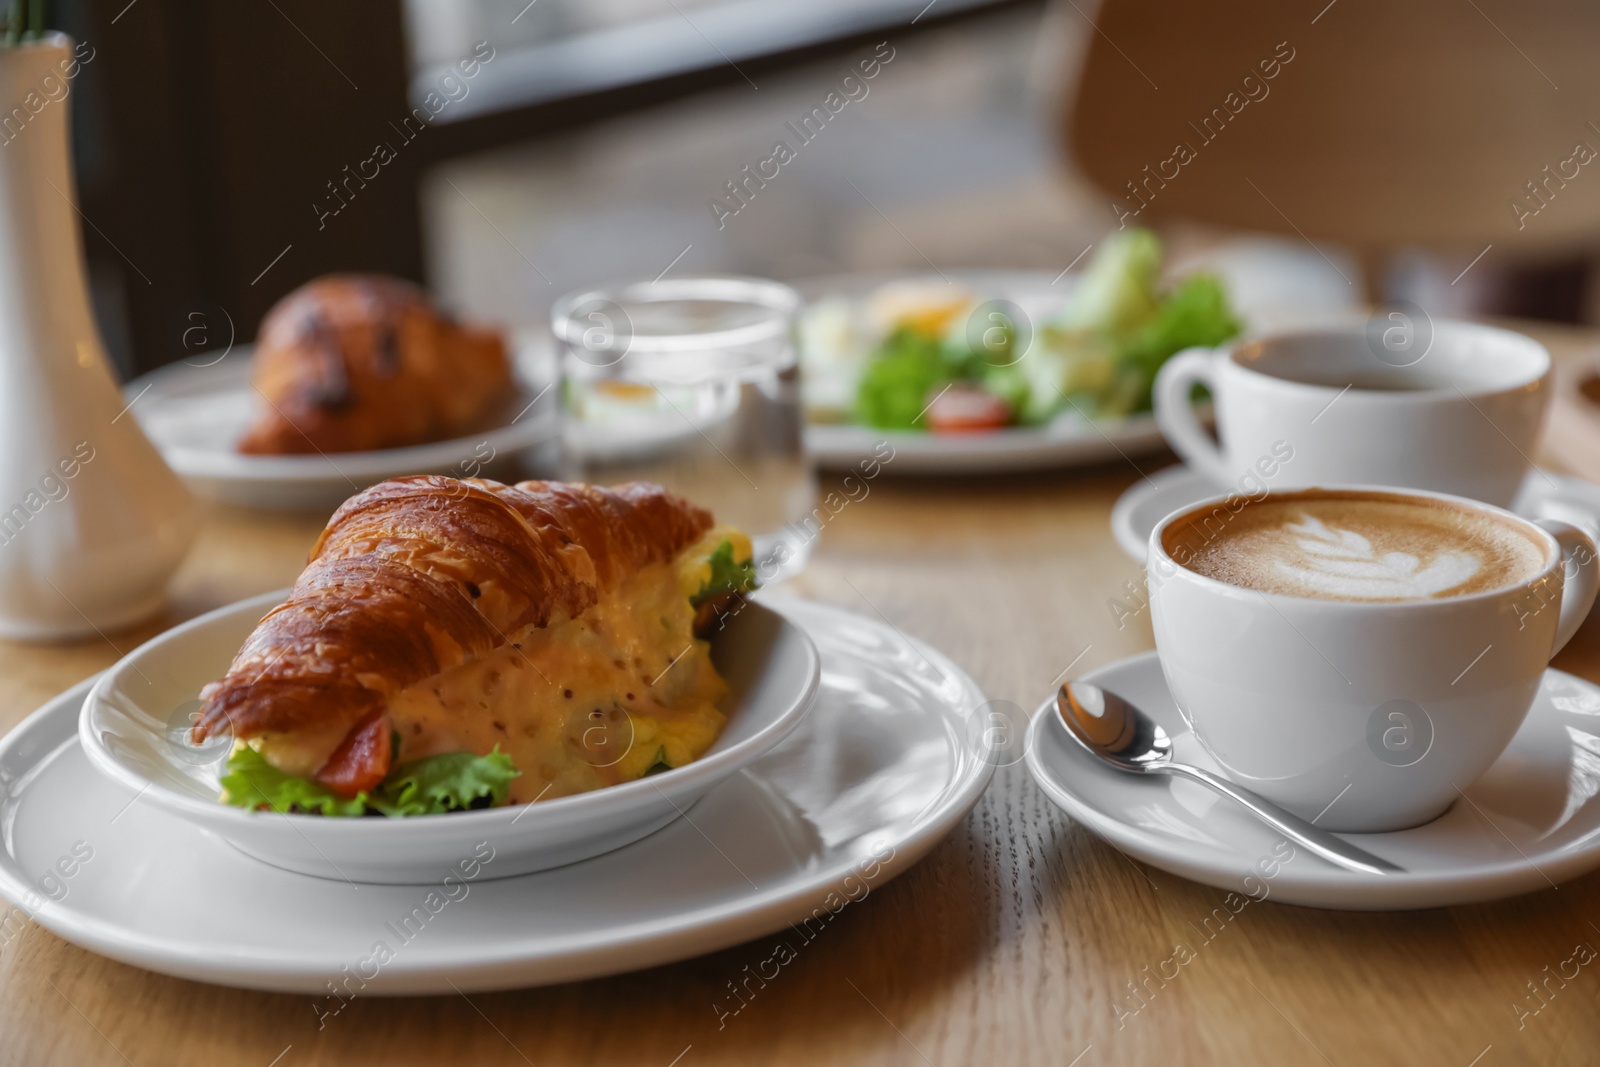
204,132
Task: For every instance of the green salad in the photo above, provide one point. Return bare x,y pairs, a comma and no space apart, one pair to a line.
947,363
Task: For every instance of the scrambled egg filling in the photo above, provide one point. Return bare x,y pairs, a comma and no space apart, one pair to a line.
607,697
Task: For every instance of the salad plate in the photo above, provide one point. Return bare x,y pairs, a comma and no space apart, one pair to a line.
1072,440
1544,495
883,767
194,412
1529,823
1066,358
134,726
1066,442
983,371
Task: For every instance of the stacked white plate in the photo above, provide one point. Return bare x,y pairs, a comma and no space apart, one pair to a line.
879,769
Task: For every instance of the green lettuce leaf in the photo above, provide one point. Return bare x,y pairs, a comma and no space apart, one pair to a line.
1195,313
433,785
899,378
450,781
726,575
1117,292
1103,353
252,782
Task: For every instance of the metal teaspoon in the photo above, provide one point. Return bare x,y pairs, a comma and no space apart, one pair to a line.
1129,740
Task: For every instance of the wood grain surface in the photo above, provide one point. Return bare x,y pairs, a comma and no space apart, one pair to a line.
1011,943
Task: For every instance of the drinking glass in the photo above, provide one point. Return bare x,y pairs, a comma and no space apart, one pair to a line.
693,384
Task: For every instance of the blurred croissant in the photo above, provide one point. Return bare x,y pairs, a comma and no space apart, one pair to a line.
425,604
348,363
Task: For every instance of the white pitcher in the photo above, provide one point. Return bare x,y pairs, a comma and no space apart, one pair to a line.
92,521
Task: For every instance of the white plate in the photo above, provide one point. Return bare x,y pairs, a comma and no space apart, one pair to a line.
194,413
1069,441
1544,495
134,721
881,770
1529,823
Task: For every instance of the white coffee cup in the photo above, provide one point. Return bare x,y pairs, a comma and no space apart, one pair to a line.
1365,717
1453,407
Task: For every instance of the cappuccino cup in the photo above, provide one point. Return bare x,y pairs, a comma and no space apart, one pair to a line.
1359,655
1451,407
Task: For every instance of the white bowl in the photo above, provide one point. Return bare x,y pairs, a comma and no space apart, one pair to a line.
135,722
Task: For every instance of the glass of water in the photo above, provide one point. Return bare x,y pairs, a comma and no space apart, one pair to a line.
693,384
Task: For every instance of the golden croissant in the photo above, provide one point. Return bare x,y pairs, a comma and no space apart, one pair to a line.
354,362
552,624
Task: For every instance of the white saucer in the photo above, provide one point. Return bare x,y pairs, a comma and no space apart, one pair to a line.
1544,495
1529,823
195,411
880,770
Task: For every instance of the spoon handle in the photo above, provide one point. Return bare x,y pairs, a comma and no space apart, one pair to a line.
1331,848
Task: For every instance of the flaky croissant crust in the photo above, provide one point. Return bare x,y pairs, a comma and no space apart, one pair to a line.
417,575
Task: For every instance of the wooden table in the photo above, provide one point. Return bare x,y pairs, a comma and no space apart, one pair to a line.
1009,944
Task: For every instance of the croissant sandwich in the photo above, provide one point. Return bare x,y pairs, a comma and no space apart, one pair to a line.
457,644
353,362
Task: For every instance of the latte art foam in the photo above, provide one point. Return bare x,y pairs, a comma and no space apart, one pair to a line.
1330,545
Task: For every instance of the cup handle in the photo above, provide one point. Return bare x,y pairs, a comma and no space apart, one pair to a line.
1580,564
1175,414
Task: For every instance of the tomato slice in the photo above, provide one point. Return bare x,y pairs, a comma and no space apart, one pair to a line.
967,409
